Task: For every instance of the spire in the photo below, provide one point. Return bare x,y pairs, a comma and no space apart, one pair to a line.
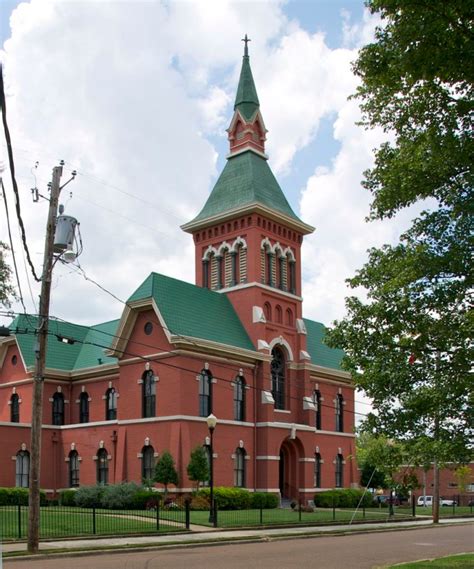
246,100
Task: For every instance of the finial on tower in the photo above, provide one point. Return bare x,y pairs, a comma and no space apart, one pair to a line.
246,48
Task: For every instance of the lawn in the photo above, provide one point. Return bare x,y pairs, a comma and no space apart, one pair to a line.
465,561
64,522
446,511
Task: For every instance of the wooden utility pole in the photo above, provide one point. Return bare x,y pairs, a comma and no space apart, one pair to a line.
40,353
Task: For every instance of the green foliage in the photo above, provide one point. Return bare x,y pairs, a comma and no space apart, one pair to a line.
229,498
199,502
165,471
409,346
7,292
145,499
198,467
342,498
264,500
463,476
89,496
119,496
18,496
67,497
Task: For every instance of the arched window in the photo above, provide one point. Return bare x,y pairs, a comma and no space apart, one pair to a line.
73,469
148,463
148,394
278,314
278,377
84,407
102,467
110,404
339,471
205,273
58,408
22,469
15,408
239,399
267,311
317,470
269,267
317,404
239,265
205,393
289,317
339,413
281,272
292,275
239,468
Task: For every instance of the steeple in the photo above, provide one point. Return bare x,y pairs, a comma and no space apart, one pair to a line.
247,130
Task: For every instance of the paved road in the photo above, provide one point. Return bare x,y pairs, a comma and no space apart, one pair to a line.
363,551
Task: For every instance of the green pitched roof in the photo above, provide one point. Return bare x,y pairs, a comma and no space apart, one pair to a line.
61,356
189,310
246,179
321,354
246,100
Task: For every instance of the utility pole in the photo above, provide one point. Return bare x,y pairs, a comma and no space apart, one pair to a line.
40,353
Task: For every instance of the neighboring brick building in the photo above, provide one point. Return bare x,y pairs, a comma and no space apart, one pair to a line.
236,344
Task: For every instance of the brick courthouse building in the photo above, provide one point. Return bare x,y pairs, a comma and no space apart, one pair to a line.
235,344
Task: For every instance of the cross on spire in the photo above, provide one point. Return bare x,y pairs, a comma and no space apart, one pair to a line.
246,41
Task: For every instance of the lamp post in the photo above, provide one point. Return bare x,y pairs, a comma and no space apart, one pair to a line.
211,425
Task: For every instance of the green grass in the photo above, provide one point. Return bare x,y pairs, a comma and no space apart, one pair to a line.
465,561
68,522
446,511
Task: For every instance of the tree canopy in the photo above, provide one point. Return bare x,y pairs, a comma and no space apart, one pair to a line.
7,292
165,471
198,467
409,345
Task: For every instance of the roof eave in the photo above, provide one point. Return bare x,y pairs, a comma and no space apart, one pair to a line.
254,207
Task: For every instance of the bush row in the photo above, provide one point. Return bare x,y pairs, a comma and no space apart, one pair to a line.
15,496
342,498
127,495
240,499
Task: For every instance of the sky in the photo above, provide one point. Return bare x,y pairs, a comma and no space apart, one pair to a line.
136,97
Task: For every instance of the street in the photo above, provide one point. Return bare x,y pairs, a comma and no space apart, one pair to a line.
363,551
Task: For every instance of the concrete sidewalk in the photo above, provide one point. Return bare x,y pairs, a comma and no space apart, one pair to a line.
209,536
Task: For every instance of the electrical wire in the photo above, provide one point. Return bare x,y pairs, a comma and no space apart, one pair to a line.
12,173
11,244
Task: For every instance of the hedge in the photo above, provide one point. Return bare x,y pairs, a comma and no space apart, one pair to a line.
228,498
15,496
67,497
264,500
342,498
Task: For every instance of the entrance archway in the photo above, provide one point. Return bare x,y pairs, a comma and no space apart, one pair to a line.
289,469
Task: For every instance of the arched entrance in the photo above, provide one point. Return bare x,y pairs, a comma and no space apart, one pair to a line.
289,472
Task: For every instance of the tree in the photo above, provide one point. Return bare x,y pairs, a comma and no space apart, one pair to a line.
198,467
409,346
463,475
165,471
7,292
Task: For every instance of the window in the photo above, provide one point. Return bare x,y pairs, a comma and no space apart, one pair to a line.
292,283
269,267
278,314
317,470
102,467
58,409
239,468
149,394
84,407
73,469
15,408
205,273
267,311
317,404
110,404
278,378
239,399
205,393
339,471
281,272
339,413
148,462
289,317
22,469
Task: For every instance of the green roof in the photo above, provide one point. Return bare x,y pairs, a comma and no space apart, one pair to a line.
246,100
246,179
189,310
62,356
321,354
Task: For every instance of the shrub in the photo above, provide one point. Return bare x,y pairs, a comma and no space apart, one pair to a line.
199,503
342,498
67,497
18,496
119,496
89,496
145,499
264,500
229,498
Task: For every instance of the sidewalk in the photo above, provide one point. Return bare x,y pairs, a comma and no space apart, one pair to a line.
209,536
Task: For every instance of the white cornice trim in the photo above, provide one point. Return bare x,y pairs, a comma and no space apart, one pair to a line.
247,148
274,290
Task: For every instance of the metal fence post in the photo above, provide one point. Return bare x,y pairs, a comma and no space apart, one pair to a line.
157,516
261,515
413,506
19,521
299,510
363,511
94,528
215,513
187,509
333,509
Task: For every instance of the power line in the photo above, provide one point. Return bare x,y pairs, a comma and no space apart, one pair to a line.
12,173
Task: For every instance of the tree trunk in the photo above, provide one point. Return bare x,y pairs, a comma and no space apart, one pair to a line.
435,492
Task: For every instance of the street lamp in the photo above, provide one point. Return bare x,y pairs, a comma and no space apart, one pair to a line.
211,425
